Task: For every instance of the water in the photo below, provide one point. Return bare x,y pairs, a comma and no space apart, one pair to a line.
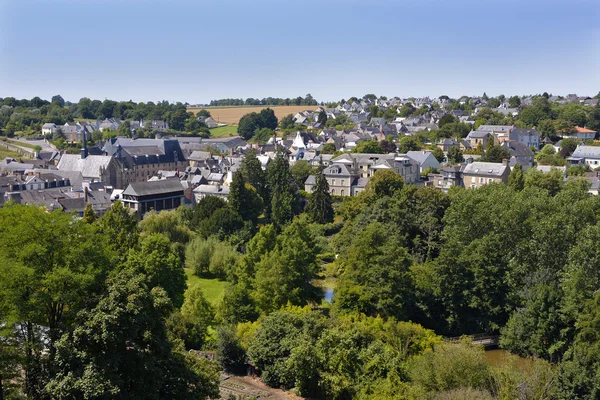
328,295
499,357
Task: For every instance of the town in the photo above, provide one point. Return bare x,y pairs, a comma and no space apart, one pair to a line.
441,142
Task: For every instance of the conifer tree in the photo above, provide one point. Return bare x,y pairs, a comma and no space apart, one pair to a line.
237,193
319,207
254,175
283,191
89,216
516,179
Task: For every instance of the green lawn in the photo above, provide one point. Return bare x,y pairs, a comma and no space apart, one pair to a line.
18,143
223,131
213,288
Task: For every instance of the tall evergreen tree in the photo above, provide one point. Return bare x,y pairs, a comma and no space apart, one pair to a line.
319,206
516,179
284,202
89,216
254,175
237,194
322,119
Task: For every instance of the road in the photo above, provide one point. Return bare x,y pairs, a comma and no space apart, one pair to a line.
46,146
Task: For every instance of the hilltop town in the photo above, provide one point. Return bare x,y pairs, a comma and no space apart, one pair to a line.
440,142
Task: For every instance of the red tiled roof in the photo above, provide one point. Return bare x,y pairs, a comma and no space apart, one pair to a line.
583,130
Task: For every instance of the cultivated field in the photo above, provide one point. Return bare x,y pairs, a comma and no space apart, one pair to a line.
232,115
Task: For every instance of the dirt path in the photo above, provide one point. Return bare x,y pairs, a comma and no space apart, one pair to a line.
245,387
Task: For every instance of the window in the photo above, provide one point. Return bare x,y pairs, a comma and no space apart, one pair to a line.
490,180
342,192
333,182
481,180
473,180
342,183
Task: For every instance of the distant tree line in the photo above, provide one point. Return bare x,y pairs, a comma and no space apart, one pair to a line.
307,100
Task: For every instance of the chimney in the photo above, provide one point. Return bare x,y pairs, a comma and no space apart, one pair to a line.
470,160
85,194
84,150
14,196
505,162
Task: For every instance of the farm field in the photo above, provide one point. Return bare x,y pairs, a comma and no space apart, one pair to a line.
232,115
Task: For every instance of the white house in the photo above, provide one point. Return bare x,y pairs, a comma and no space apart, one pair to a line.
48,128
425,160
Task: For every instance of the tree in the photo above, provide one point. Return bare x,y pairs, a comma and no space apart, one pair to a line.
439,154
254,175
248,124
161,265
118,351
551,181
203,113
388,146
282,187
514,101
285,274
244,200
119,229
376,278
287,122
369,147
203,210
57,99
319,208
516,179
52,266
385,182
322,119
301,171
447,119
230,353
89,216
328,148
263,135
268,119
408,143
546,128
455,156
495,153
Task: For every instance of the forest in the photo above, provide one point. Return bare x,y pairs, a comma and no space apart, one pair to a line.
98,307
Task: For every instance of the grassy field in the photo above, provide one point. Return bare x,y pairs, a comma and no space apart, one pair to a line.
213,288
223,131
232,115
5,153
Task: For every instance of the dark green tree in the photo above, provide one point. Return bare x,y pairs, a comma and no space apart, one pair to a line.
89,216
320,208
385,182
268,119
244,200
248,124
120,349
369,147
282,186
516,179
301,170
161,265
455,156
119,230
287,122
439,154
285,274
322,118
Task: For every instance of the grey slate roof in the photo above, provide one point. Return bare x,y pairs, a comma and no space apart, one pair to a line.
89,167
152,188
495,170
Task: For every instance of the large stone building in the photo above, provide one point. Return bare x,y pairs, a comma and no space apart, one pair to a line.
349,173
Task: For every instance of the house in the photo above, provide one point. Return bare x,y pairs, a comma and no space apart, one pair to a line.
529,137
476,174
446,144
449,176
209,122
339,178
167,194
578,133
203,191
425,159
586,155
519,153
402,165
104,169
49,128
478,137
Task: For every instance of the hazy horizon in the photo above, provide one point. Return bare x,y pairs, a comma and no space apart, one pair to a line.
196,52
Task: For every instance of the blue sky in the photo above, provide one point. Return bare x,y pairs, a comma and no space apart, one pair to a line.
195,51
